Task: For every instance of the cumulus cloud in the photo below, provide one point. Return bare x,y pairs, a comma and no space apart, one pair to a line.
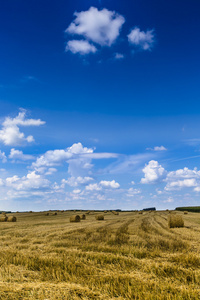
141,39
3,157
132,192
76,181
183,178
109,184
78,158
153,172
93,187
56,157
28,182
10,134
181,184
98,26
80,46
19,155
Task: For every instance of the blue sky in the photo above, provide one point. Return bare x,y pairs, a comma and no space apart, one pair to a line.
99,104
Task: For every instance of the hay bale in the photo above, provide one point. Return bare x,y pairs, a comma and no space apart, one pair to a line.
99,217
3,218
55,213
62,211
175,221
75,218
140,212
115,212
83,217
11,219
30,211
185,212
105,211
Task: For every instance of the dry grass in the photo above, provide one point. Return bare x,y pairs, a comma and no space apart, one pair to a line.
129,256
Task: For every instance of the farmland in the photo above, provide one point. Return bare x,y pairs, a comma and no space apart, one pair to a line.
125,256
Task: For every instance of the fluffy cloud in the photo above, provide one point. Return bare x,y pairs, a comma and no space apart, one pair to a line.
29,182
19,155
10,134
80,46
102,184
183,178
181,184
93,187
99,26
153,172
76,181
141,39
132,192
3,157
56,157
109,184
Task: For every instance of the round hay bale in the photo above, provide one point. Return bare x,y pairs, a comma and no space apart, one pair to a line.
140,212
75,218
175,221
83,217
115,212
62,211
99,217
12,219
185,212
55,213
30,211
3,218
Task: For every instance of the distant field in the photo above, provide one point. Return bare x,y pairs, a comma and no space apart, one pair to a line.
125,256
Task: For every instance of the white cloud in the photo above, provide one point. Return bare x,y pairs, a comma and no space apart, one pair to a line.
109,184
29,182
183,173
153,172
141,39
10,134
119,56
93,187
56,157
132,192
157,148
51,171
169,200
19,155
99,26
80,46
77,191
181,184
3,157
183,178
76,181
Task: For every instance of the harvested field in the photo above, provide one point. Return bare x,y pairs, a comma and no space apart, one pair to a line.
128,256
